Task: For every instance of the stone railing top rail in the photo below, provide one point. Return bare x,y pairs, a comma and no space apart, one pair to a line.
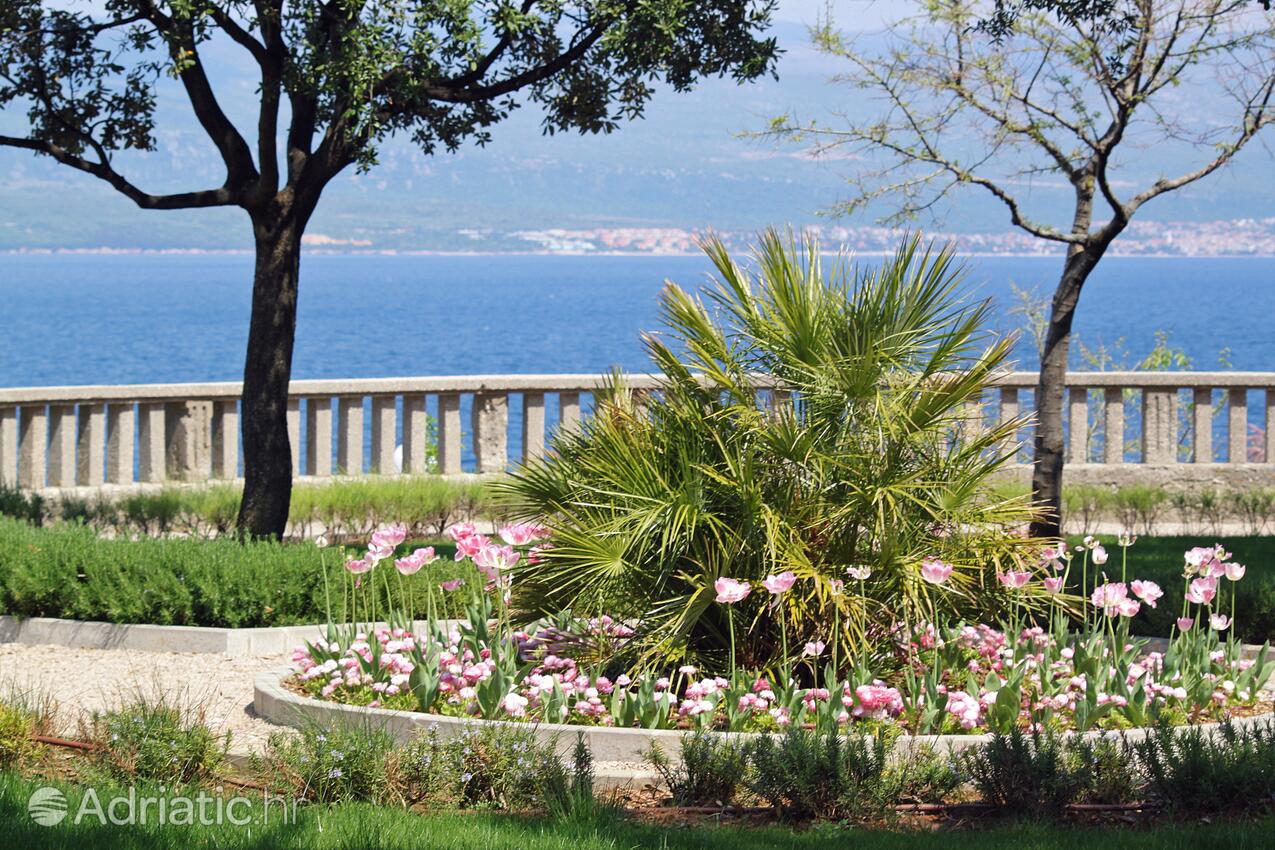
555,382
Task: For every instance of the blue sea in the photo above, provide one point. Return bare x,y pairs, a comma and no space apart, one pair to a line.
94,319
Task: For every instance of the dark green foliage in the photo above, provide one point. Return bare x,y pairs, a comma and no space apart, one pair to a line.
711,769
1195,772
153,739
804,774
68,571
15,502
331,765
1159,559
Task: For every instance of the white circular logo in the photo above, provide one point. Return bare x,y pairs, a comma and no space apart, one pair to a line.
47,806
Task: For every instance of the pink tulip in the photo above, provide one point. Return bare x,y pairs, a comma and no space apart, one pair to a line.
1099,555
522,533
1109,597
813,649
862,573
358,567
1014,580
1128,607
1234,572
492,560
449,586
1201,591
413,562
730,591
1185,624
935,571
1147,591
471,545
779,584
1219,622
462,530
1053,584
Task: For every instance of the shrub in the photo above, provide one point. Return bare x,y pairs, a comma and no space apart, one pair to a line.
657,496
68,571
493,766
804,774
925,776
338,764
1138,507
18,504
710,770
17,726
1194,772
1043,772
156,740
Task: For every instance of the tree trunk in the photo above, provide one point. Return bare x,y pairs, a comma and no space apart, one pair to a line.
1047,472
267,452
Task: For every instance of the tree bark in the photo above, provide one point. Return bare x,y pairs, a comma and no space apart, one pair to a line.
1047,471
267,452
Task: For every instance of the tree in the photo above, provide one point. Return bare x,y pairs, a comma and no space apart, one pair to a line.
1055,96
341,75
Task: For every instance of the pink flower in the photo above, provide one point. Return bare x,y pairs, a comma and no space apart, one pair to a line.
813,649
1147,591
1014,580
1099,555
358,567
1234,572
462,530
1185,624
935,571
378,550
449,586
730,591
389,536
1128,607
782,583
470,546
1219,622
413,562
861,573
1109,597
1053,584
522,533
1201,591
492,560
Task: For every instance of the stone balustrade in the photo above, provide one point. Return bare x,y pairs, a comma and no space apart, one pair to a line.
58,437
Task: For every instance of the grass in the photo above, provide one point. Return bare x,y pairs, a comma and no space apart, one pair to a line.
67,570
1159,559
360,826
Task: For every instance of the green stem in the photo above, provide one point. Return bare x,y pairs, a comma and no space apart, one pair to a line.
730,620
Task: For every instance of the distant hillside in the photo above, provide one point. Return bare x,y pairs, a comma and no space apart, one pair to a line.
685,166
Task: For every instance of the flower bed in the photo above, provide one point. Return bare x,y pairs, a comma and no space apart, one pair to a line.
1059,669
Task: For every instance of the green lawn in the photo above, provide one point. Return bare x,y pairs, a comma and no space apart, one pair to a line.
366,827
1159,559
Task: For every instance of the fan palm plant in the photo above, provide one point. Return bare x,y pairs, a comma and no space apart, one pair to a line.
810,418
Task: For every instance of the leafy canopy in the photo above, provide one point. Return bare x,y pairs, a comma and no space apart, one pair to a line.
351,72
715,475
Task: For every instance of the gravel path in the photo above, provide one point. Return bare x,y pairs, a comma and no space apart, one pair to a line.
82,681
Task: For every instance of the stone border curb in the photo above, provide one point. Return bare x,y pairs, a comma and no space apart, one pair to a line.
87,634
275,703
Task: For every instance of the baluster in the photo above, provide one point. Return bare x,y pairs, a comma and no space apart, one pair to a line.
225,439
449,436
62,445
384,419
33,436
1237,426
415,435
91,445
318,436
293,415
490,424
533,426
187,447
1202,424
1270,426
1113,424
8,445
568,410
121,428
349,439
1008,412
1159,425
1078,425
150,440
